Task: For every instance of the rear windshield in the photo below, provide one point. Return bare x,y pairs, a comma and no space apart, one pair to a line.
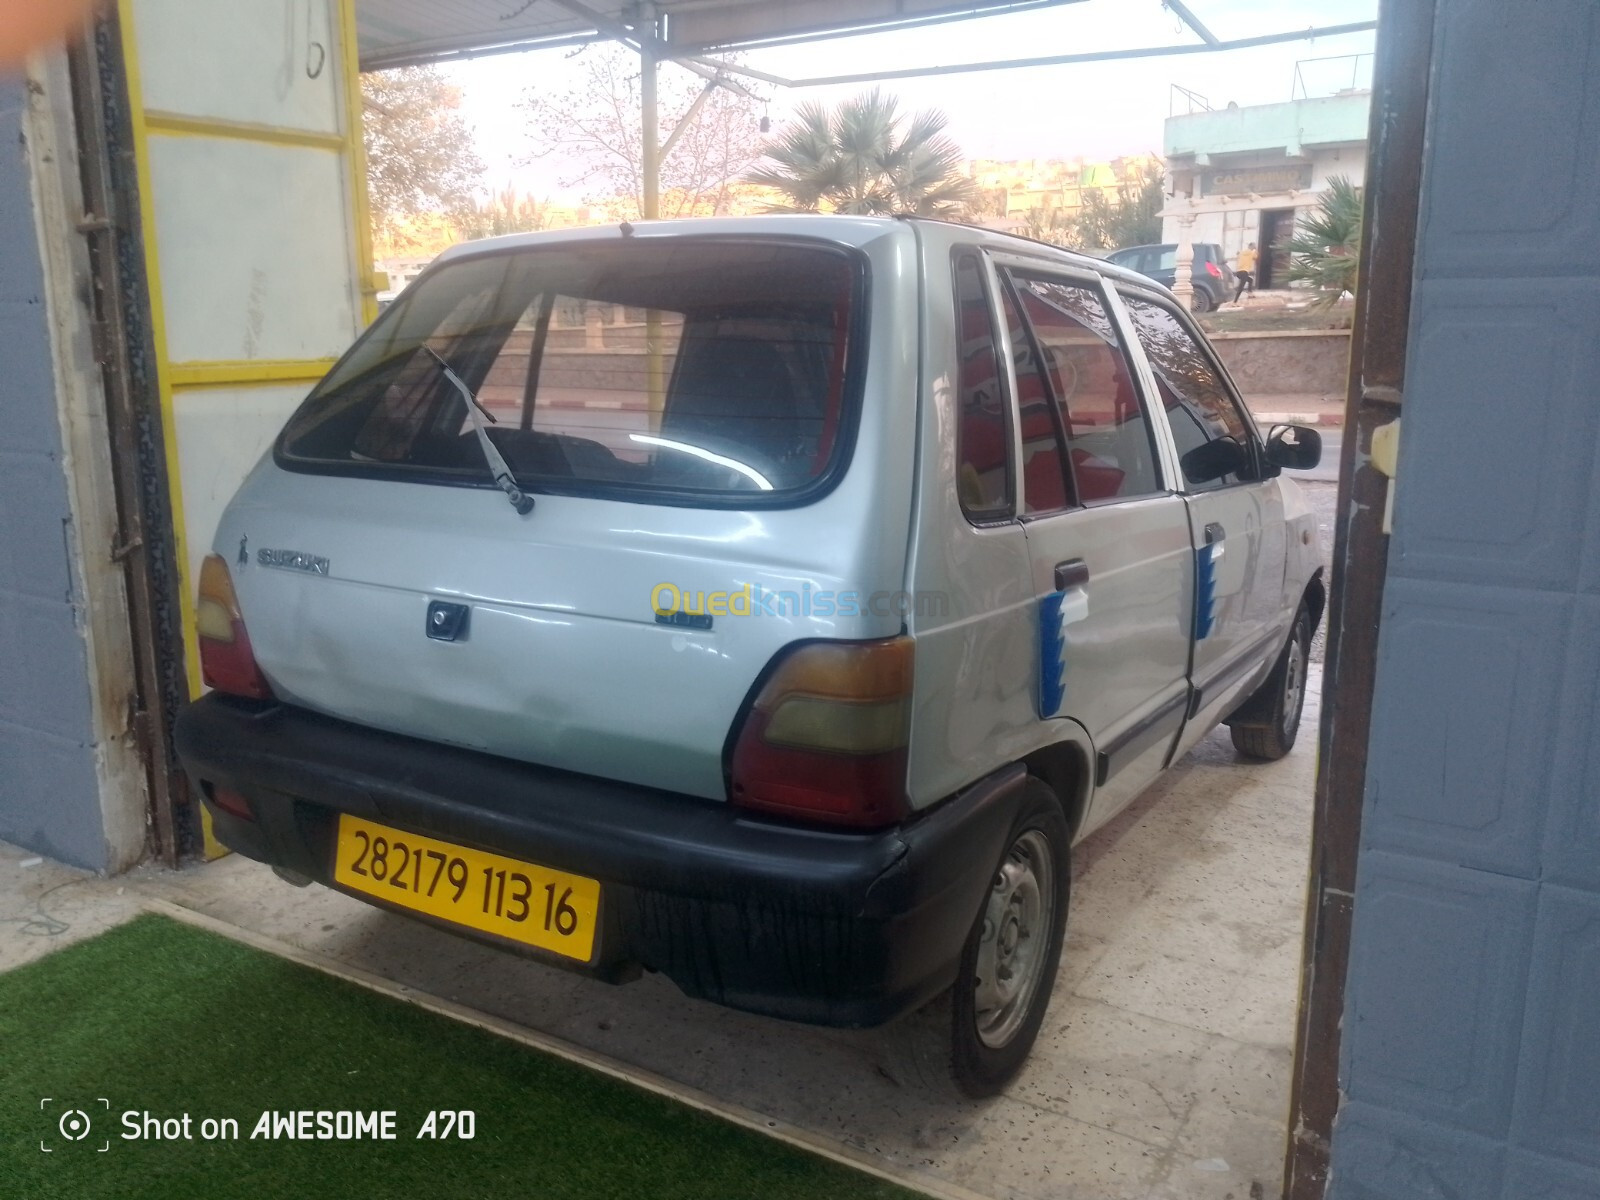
681,370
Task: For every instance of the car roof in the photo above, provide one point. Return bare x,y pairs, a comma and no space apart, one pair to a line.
837,228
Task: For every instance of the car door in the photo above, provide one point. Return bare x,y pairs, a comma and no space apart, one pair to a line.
1235,514
1108,541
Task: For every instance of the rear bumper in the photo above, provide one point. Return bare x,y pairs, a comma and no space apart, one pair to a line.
826,927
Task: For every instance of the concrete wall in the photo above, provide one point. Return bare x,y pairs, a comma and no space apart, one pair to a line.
1285,362
1471,1049
1292,124
49,793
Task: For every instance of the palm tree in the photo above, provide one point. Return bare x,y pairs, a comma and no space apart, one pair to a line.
1325,246
864,158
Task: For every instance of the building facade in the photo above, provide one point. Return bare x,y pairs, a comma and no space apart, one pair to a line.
1242,175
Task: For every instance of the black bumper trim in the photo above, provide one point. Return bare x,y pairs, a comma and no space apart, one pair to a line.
829,927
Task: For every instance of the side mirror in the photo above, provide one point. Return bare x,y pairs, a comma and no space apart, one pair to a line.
1214,459
1296,447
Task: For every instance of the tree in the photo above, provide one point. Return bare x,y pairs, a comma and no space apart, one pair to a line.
419,151
1132,219
864,157
596,127
1327,241
503,212
1053,225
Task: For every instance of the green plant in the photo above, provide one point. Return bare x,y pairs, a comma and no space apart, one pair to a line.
1327,242
863,157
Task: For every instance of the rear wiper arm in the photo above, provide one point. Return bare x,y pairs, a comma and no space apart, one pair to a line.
520,500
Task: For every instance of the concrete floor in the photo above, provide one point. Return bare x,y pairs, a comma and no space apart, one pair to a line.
1161,1073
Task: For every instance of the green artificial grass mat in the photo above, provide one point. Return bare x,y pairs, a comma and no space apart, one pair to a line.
161,1017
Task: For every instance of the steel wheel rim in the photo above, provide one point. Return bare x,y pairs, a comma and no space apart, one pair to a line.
1294,683
1014,941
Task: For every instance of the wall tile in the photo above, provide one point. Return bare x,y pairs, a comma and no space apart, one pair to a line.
1501,200
1572,846
1433,1006
33,552
28,422
1462,722
43,672
1531,1178
48,797
1558,1087
1502,401
1382,1155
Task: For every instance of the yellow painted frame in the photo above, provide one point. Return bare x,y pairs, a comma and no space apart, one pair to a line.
182,125
245,372
366,268
171,376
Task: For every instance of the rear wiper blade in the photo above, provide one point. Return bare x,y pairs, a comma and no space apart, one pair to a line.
520,500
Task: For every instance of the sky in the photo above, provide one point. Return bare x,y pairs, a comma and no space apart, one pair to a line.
1094,110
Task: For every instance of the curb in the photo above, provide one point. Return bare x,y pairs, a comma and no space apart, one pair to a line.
1298,418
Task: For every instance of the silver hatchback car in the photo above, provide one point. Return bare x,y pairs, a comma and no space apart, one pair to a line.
771,603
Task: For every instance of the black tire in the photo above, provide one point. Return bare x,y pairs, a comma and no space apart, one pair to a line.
1265,726
1202,303
989,1045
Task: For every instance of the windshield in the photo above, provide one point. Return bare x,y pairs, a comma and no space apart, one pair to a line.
679,370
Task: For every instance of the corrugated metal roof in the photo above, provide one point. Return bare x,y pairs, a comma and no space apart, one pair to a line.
396,32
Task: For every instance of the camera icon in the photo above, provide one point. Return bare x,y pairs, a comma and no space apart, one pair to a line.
72,1123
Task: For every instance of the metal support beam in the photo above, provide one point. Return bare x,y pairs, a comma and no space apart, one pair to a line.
1192,21
649,132
687,119
1058,60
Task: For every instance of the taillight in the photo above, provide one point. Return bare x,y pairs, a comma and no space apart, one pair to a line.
226,661
1211,270
826,738
230,801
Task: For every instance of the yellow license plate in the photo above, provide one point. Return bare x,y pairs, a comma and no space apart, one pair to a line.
526,903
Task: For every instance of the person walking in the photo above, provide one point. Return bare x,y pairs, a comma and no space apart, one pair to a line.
1245,272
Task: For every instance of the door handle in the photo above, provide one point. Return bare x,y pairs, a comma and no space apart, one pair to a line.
1215,532
1074,573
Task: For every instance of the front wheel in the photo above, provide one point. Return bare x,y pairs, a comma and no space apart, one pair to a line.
1008,966
1279,700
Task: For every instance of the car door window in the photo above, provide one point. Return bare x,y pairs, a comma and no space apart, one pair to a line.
1109,445
1044,479
983,431
1200,408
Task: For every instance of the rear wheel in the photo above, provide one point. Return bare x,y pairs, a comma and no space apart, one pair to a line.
1202,302
1008,966
1276,706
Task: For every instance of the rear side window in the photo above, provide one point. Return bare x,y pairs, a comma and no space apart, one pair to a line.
1044,479
983,433
681,370
1109,443
1199,407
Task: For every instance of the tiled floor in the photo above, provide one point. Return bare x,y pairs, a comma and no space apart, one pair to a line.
1162,1071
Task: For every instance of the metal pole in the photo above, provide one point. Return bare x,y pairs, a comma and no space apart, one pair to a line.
650,133
650,210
